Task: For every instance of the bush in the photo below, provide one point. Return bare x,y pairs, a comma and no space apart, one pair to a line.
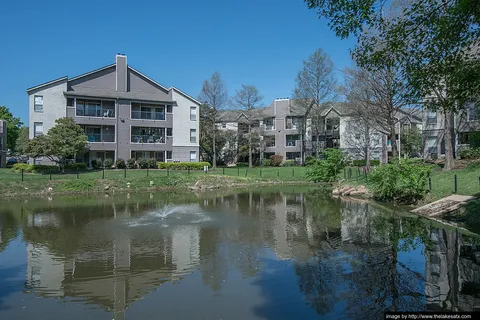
142,163
108,163
276,160
289,163
34,168
363,163
326,170
131,164
267,162
183,165
76,166
152,163
120,163
404,182
309,159
96,163
470,153
242,164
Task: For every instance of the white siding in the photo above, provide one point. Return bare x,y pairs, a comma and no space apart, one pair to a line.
54,106
182,123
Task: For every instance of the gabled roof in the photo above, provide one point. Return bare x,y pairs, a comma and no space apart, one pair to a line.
185,95
92,72
47,83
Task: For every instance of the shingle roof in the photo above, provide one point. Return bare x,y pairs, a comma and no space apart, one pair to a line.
106,93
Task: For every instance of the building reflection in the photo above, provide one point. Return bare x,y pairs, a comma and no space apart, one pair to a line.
343,250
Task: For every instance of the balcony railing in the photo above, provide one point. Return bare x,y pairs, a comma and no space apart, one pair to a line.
148,115
293,143
98,113
101,138
269,127
138,138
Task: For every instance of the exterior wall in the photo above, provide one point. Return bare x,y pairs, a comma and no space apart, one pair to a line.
54,106
181,127
104,79
137,83
350,145
433,130
3,144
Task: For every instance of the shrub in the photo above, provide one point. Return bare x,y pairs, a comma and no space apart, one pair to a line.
152,163
96,163
326,170
289,163
470,153
242,164
108,163
34,168
142,163
131,164
276,160
309,159
404,182
76,166
267,162
363,163
183,165
120,163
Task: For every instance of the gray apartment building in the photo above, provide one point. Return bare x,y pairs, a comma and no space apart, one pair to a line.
124,113
3,144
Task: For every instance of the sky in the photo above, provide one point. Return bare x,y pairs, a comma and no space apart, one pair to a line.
179,43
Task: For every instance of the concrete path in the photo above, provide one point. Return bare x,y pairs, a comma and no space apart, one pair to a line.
442,206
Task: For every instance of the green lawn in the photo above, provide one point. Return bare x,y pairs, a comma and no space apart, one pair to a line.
282,173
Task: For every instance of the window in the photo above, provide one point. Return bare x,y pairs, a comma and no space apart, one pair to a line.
292,140
431,117
193,135
94,134
431,144
148,135
224,126
37,129
159,155
169,155
269,124
291,123
292,155
70,102
269,141
169,108
147,112
472,111
193,155
95,108
193,113
38,103
169,132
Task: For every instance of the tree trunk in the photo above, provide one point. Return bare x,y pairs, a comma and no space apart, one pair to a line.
384,149
214,164
394,141
250,145
447,138
367,148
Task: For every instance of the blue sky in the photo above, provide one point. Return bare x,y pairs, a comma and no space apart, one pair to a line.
178,43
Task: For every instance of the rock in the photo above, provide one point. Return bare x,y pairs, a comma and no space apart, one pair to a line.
336,191
151,183
106,188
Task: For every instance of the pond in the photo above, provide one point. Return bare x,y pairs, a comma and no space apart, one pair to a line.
274,253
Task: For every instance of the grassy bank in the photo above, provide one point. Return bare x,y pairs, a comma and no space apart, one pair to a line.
442,182
11,184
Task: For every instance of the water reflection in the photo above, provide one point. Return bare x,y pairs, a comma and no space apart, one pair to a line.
344,257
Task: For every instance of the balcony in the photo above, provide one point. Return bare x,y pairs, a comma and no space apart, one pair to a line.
293,143
148,135
148,112
100,134
96,109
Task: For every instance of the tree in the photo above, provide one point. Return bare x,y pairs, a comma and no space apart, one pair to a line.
411,140
22,142
436,41
215,96
13,127
64,140
315,83
249,99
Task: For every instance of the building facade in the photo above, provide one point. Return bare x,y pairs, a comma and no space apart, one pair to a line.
124,114
3,143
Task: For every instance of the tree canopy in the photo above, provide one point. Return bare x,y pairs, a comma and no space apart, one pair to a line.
13,127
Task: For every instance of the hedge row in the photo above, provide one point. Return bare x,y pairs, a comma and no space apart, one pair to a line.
470,153
183,165
363,163
34,168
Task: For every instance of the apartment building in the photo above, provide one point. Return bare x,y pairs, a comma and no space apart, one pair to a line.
279,126
3,144
124,113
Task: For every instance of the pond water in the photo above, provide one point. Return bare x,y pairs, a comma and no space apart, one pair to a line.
278,253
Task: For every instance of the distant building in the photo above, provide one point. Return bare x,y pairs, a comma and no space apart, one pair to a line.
124,113
3,143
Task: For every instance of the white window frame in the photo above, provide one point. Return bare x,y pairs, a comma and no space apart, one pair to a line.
195,154
35,124
193,130
194,113
35,109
